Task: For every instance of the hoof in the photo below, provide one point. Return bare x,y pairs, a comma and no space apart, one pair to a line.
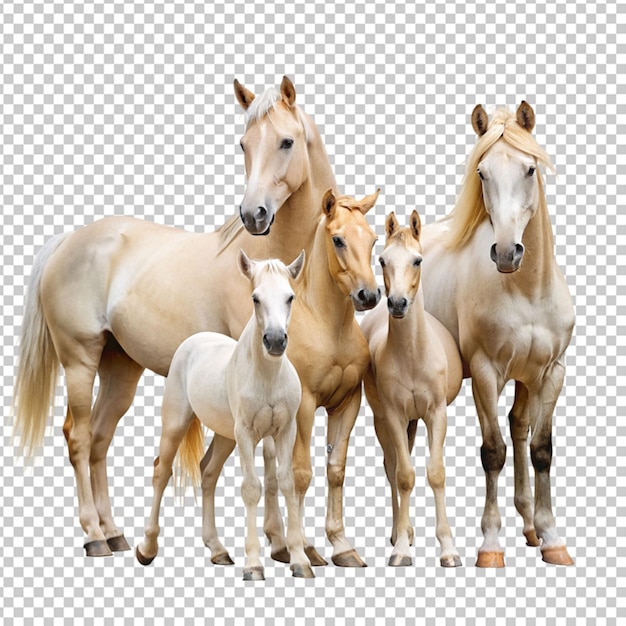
254,573
454,561
490,559
143,559
282,556
557,556
400,560
348,559
118,544
315,558
223,558
97,548
302,571
531,538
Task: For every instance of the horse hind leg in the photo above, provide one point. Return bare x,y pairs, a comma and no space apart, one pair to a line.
119,376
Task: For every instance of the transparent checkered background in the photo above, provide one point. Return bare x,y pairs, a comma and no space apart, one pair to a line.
127,108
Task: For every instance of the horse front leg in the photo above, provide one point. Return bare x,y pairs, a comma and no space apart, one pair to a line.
486,388
340,424
273,524
553,548
519,421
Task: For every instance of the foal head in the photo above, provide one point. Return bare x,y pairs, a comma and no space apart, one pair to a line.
276,153
273,296
350,240
401,262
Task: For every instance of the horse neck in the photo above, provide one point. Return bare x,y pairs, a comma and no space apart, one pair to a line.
409,336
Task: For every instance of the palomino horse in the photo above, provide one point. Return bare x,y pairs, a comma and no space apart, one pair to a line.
415,371
493,281
245,390
121,294
330,355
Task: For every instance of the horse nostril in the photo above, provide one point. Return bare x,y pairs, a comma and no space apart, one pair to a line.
260,214
494,254
519,251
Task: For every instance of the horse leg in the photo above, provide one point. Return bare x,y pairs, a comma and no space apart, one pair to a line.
340,425
211,467
302,472
251,494
519,422
486,389
273,526
284,441
553,548
119,376
436,425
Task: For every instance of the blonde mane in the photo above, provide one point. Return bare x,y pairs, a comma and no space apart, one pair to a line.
469,211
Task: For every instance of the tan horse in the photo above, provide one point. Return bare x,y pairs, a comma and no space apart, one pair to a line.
415,371
121,294
330,354
493,281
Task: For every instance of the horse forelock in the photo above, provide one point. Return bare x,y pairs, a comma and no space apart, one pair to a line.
402,236
469,211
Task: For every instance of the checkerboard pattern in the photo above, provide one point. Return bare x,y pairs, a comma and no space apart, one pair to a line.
126,107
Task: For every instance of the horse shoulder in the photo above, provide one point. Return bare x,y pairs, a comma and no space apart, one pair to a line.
447,347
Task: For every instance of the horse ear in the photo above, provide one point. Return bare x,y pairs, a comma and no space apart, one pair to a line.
244,96
296,267
328,203
368,202
415,224
391,225
480,120
245,264
526,116
288,92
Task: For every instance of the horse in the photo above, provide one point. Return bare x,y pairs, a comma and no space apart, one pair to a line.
493,281
414,373
121,294
330,354
246,390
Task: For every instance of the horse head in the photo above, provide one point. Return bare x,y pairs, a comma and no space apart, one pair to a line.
276,155
350,240
401,262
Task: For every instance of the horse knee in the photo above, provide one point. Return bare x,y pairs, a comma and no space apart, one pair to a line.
405,480
436,475
251,489
336,474
493,457
302,479
541,455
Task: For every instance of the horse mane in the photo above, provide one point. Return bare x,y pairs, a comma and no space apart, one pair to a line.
469,211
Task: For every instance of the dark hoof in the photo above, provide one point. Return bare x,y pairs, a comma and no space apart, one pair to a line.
348,559
142,559
451,561
222,559
315,558
97,548
254,573
302,571
399,560
118,544
282,556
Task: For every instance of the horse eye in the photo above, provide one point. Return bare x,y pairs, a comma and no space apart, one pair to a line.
480,174
241,146
417,262
382,262
255,300
531,171
286,144
290,299
338,241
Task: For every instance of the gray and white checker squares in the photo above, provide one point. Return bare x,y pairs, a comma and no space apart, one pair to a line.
127,108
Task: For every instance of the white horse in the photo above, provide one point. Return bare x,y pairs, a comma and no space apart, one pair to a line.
415,371
246,391
493,281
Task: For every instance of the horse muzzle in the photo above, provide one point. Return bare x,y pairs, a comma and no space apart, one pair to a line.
275,343
257,221
398,307
508,260
365,299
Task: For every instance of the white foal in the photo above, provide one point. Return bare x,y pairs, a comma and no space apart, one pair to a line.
246,391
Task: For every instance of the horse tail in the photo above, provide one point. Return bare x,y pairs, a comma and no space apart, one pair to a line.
38,367
190,453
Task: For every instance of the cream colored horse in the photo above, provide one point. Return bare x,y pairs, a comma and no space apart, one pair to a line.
493,281
246,390
415,371
121,294
331,355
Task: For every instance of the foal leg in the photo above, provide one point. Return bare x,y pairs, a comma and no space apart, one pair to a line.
486,388
542,404
340,425
273,526
211,467
118,381
519,421
436,424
